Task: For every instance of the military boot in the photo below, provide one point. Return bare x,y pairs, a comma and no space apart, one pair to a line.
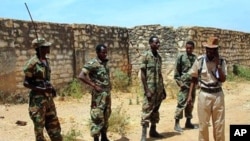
153,133
177,126
189,124
144,133
104,136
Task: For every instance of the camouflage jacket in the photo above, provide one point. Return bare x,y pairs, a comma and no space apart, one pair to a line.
183,64
37,70
153,66
98,72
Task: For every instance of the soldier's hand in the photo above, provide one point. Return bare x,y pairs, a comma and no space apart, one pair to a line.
189,100
148,95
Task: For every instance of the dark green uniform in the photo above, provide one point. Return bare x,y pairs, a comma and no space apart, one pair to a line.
42,108
101,101
183,63
150,109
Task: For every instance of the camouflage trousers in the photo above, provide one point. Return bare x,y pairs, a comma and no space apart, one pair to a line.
150,111
42,111
100,112
182,104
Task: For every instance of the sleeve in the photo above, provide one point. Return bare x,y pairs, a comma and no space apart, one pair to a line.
88,67
224,67
177,71
28,69
194,69
143,61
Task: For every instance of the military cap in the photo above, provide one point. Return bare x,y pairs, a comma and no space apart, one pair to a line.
40,42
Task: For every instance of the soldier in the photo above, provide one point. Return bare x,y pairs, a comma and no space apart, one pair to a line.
95,73
42,108
210,70
183,63
154,91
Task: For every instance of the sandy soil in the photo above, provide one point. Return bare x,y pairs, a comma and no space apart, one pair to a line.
74,114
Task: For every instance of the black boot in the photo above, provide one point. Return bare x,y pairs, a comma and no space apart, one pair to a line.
189,124
144,133
153,133
104,136
96,138
177,126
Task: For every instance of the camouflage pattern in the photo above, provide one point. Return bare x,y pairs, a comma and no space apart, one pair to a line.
150,109
101,101
40,42
42,108
183,64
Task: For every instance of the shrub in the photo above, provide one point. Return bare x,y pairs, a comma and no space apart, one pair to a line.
239,73
72,135
120,81
118,121
75,89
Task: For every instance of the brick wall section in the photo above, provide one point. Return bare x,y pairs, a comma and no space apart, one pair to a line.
74,44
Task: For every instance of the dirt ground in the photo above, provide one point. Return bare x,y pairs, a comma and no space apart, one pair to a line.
74,114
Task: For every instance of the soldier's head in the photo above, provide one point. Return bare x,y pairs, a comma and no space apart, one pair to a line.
101,51
154,43
41,45
189,47
211,46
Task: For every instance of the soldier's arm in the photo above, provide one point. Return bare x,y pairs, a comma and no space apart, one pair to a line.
29,83
192,86
221,67
177,72
83,76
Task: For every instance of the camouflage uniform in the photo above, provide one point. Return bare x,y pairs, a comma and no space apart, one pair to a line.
150,109
101,101
183,63
42,108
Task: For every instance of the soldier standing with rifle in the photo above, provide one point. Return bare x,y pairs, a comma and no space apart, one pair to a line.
42,108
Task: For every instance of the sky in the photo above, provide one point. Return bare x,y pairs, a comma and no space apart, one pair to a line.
223,14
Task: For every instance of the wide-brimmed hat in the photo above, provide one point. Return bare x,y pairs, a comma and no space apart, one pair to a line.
212,42
40,42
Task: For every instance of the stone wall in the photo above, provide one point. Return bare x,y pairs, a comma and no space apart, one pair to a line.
139,42
15,47
86,37
74,44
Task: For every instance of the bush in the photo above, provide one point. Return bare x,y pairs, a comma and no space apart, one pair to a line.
75,89
120,81
118,121
239,73
72,135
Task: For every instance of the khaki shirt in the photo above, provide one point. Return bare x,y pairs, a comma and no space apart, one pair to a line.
208,74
